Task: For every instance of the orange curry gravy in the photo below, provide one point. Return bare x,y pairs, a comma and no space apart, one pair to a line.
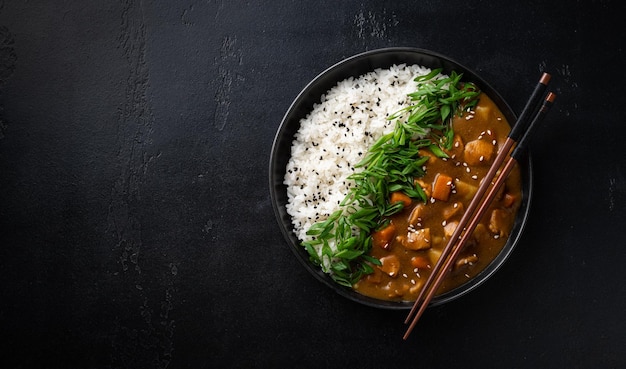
411,245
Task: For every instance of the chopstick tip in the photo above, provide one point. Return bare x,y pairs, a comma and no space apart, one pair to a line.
550,97
545,78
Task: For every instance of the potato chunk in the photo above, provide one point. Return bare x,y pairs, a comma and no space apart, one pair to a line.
482,112
465,190
452,210
479,152
434,255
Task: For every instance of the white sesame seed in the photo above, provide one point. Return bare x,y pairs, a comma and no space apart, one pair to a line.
474,176
404,275
467,170
489,132
444,223
482,157
494,142
413,281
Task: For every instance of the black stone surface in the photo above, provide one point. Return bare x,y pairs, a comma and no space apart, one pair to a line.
136,229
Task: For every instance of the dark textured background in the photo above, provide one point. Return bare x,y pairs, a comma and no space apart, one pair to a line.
136,229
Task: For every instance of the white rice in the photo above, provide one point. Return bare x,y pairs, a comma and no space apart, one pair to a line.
336,135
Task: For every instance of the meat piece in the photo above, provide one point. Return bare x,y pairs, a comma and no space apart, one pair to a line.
375,277
479,152
390,265
417,240
499,221
466,260
395,291
480,233
449,228
417,286
416,215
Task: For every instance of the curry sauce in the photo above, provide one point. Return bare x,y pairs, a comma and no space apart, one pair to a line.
410,245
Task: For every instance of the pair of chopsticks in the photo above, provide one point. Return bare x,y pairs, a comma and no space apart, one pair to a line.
534,111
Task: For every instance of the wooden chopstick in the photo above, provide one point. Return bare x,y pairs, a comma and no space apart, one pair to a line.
445,260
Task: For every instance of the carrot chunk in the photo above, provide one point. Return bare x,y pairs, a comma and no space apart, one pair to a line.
382,237
442,185
400,197
419,262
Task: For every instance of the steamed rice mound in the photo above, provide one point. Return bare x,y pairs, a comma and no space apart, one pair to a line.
336,135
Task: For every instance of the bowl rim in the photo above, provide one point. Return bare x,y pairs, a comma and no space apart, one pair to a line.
313,88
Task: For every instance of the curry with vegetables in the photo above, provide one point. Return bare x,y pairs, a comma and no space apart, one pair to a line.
409,242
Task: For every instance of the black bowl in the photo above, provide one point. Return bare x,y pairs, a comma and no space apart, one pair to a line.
303,104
